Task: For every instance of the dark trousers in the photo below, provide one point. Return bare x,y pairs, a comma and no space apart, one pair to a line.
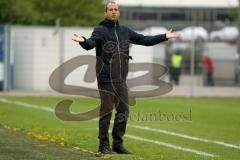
175,75
210,81
113,94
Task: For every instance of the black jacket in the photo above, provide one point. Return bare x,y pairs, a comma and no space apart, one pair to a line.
112,42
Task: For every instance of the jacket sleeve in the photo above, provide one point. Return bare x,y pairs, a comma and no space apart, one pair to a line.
91,42
140,39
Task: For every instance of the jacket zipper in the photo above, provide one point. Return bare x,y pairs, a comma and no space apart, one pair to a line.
118,50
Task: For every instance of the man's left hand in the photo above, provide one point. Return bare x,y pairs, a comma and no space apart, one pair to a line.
170,34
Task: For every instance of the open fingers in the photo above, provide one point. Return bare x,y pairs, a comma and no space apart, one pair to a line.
74,39
76,35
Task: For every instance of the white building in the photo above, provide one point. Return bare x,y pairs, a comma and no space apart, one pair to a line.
178,14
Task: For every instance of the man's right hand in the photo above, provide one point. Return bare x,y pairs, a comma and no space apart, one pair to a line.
78,38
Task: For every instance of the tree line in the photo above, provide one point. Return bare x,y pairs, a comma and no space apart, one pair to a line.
45,12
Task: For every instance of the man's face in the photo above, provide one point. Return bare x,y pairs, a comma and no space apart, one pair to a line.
112,13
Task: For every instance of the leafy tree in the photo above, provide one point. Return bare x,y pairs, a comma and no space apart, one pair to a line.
17,12
45,12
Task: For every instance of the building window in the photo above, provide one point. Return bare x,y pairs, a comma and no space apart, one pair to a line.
222,17
173,16
144,16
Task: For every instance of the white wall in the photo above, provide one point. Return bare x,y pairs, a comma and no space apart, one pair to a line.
23,56
38,51
36,54
46,56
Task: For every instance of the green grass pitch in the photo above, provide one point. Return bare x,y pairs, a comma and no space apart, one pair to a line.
158,128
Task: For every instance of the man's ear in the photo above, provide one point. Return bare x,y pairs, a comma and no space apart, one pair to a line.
105,14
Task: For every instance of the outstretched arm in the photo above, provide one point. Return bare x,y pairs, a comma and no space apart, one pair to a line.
140,39
89,43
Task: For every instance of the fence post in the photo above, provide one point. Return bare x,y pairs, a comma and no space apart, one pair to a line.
6,59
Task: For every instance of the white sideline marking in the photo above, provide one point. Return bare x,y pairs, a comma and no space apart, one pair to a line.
171,146
45,108
27,105
184,136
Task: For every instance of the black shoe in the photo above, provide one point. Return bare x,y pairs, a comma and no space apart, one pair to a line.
105,149
121,150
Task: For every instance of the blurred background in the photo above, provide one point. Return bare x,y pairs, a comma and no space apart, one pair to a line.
35,39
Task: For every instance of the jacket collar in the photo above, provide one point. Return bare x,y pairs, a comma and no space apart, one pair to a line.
108,23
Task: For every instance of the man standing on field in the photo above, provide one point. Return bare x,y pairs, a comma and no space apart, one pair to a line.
112,51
